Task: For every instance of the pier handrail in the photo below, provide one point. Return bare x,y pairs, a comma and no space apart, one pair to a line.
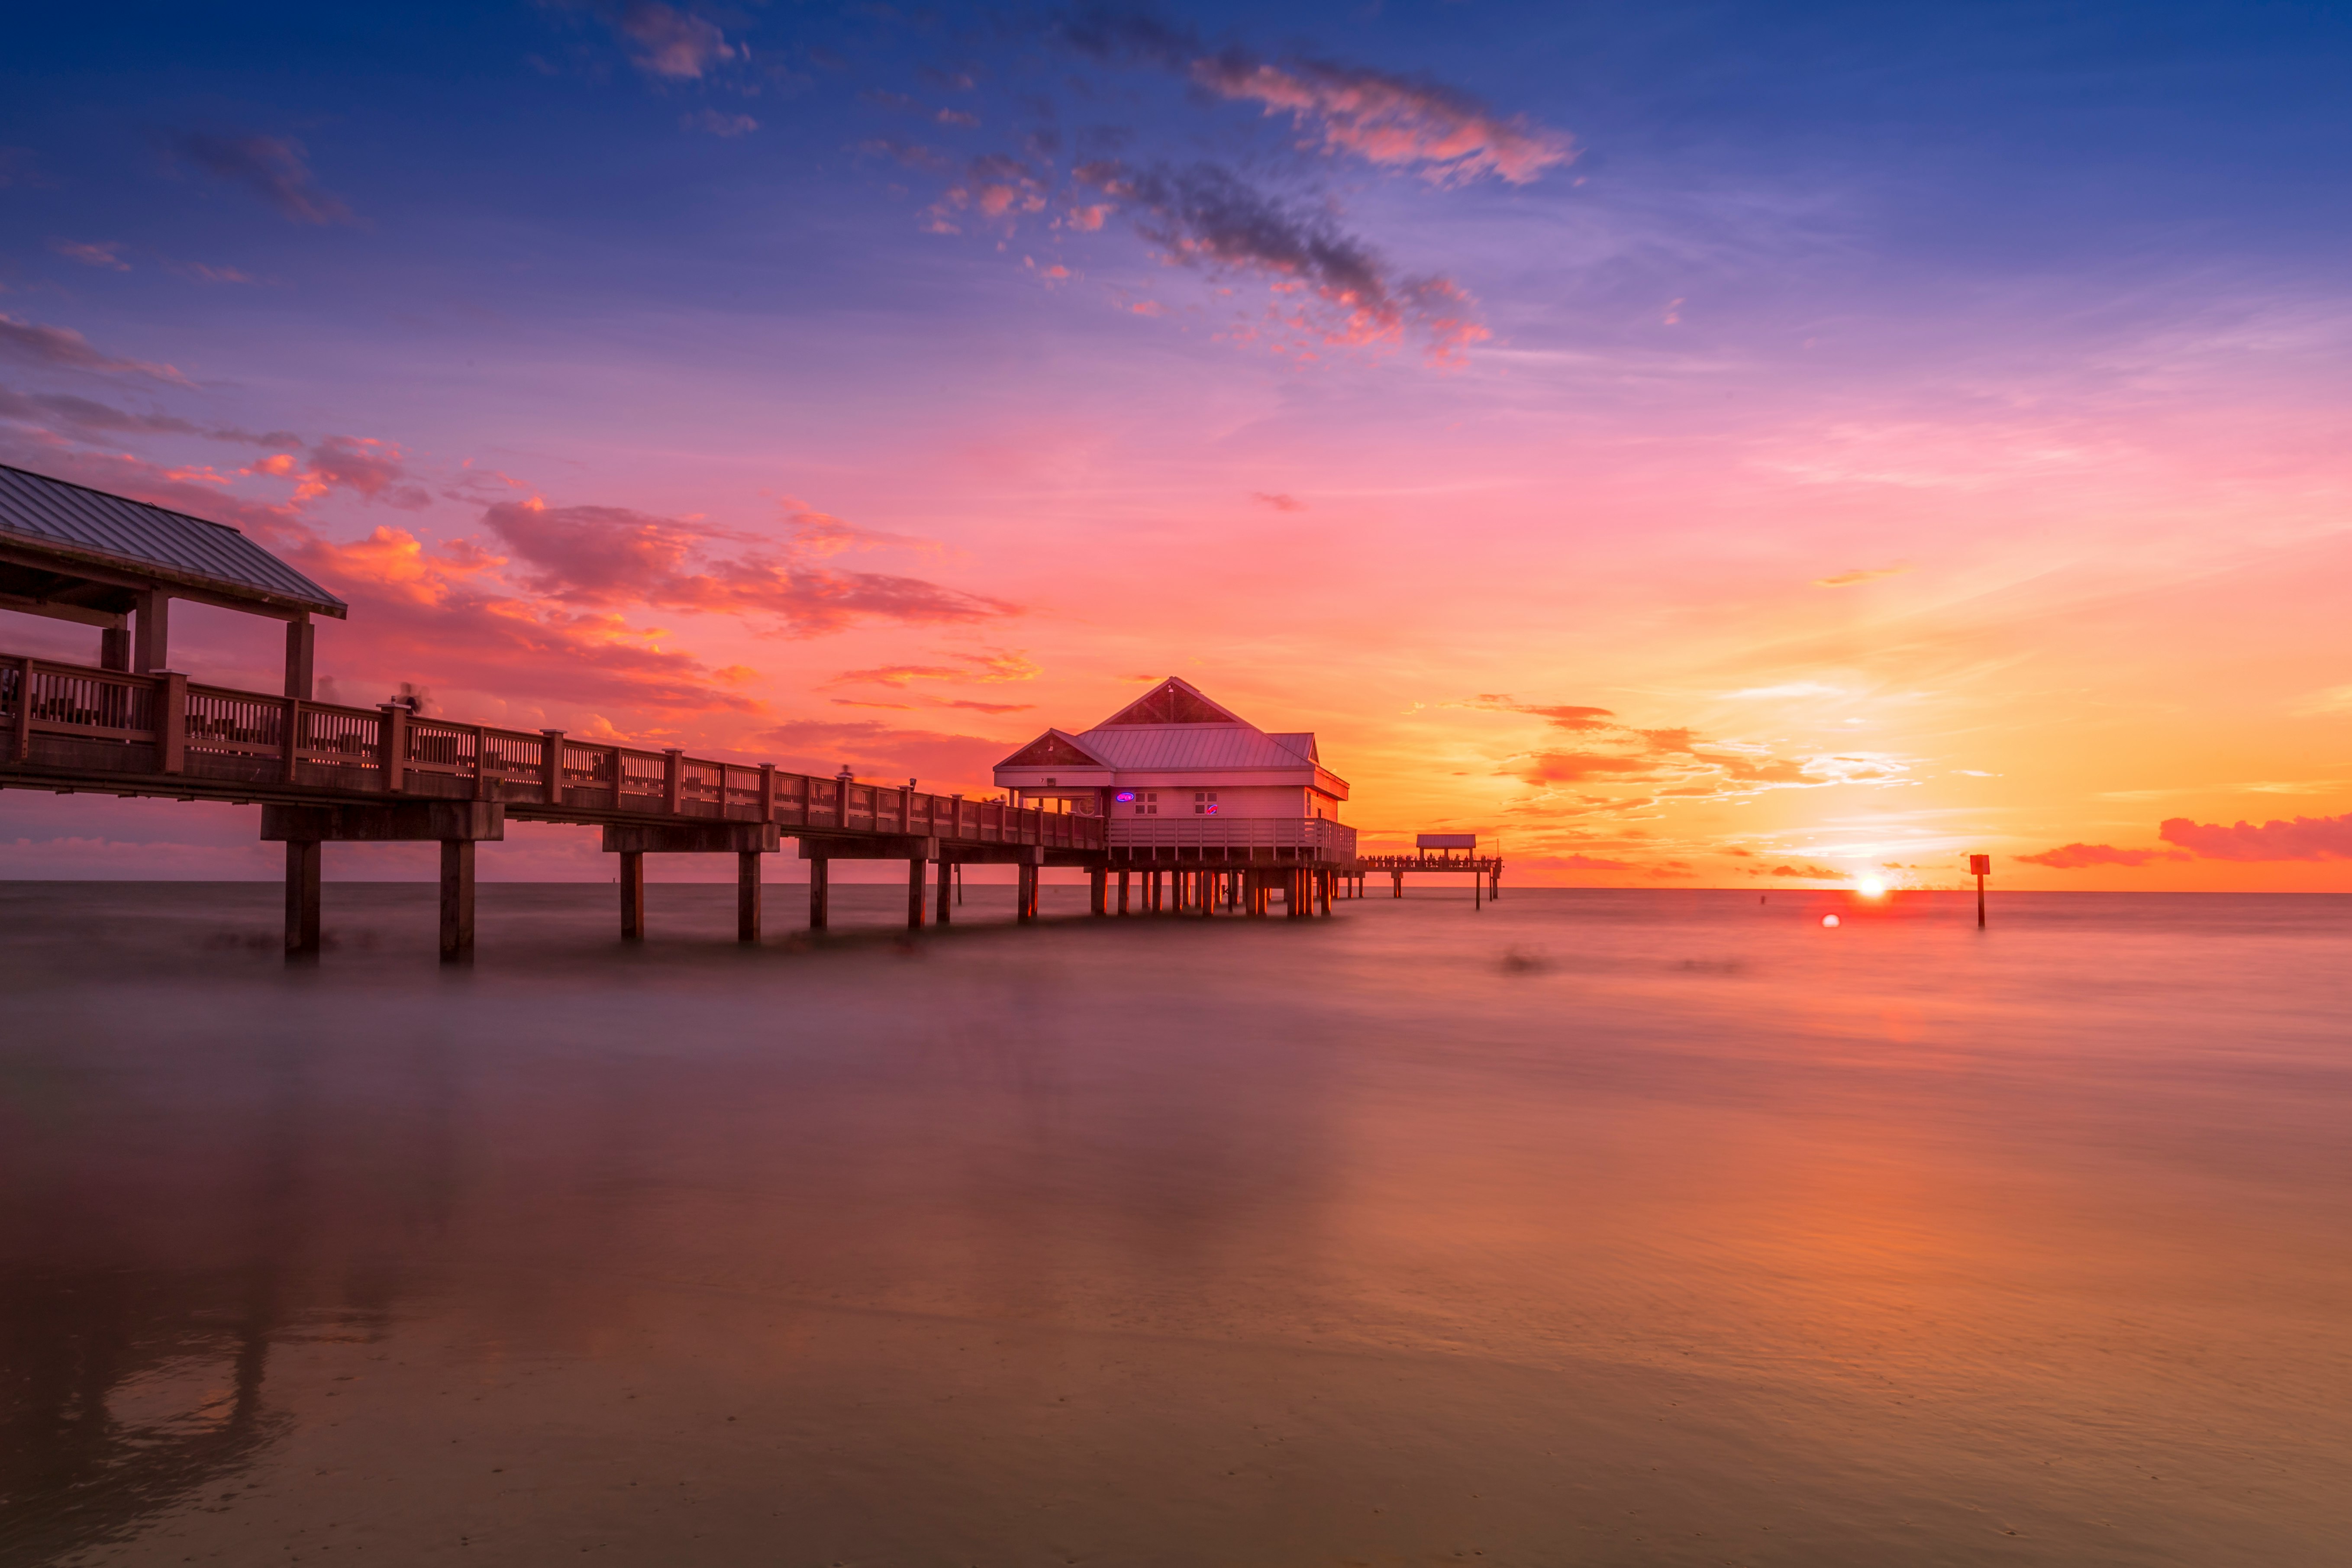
162,733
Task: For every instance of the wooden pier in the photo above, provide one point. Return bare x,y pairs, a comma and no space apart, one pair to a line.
323,773
326,773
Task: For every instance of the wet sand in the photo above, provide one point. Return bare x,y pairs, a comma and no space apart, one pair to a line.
1586,1228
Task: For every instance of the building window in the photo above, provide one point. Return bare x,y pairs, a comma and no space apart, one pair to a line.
1204,803
1147,804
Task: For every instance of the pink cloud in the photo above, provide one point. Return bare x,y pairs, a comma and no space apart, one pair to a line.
2075,857
92,255
610,556
368,468
2303,838
1390,119
670,42
439,616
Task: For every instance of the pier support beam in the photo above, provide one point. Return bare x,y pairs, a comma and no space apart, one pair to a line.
633,895
1098,892
302,899
747,841
946,889
915,867
1122,891
456,901
820,891
458,825
1025,894
746,895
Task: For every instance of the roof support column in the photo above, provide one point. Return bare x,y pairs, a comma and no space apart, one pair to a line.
302,645
151,635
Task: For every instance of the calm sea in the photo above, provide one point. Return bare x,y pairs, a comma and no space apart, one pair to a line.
1590,1227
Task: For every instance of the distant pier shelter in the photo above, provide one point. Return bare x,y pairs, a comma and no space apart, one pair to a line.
1443,854
1206,808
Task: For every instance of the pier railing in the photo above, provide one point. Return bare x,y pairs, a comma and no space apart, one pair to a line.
164,735
1307,837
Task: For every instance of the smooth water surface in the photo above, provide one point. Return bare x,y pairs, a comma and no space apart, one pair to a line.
1590,1227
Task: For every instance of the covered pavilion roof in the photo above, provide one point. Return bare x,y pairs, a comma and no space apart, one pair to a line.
83,554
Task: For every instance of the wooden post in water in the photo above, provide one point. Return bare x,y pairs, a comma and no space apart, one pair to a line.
951,874
915,867
302,898
633,895
746,895
1099,890
819,889
1980,866
456,901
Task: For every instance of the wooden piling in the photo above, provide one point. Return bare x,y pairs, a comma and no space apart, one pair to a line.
948,879
819,891
456,901
302,860
747,896
915,867
633,896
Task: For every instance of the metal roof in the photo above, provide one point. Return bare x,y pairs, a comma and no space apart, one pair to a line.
73,522
1145,747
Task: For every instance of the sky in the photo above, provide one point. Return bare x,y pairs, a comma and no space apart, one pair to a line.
1694,445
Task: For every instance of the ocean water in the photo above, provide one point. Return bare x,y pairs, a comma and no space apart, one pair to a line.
1589,1227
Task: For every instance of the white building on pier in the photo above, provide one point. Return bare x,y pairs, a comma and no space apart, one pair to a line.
1181,778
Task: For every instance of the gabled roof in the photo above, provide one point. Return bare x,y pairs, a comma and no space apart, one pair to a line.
1172,701
1055,748
1176,728
68,524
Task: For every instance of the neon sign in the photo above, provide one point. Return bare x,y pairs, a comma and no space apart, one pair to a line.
1125,794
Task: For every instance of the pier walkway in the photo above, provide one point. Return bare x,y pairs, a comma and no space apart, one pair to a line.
324,773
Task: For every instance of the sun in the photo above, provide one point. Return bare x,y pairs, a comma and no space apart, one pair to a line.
1871,887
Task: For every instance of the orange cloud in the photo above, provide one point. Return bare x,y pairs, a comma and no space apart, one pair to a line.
2075,857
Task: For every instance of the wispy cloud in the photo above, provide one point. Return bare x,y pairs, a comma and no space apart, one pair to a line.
2301,839
1330,287
1280,502
613,556
990,668
1666,764
666,42
1445,135
277,167
1442,132
107,255
2076,857
62,348
1848,579
86,415
718,123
